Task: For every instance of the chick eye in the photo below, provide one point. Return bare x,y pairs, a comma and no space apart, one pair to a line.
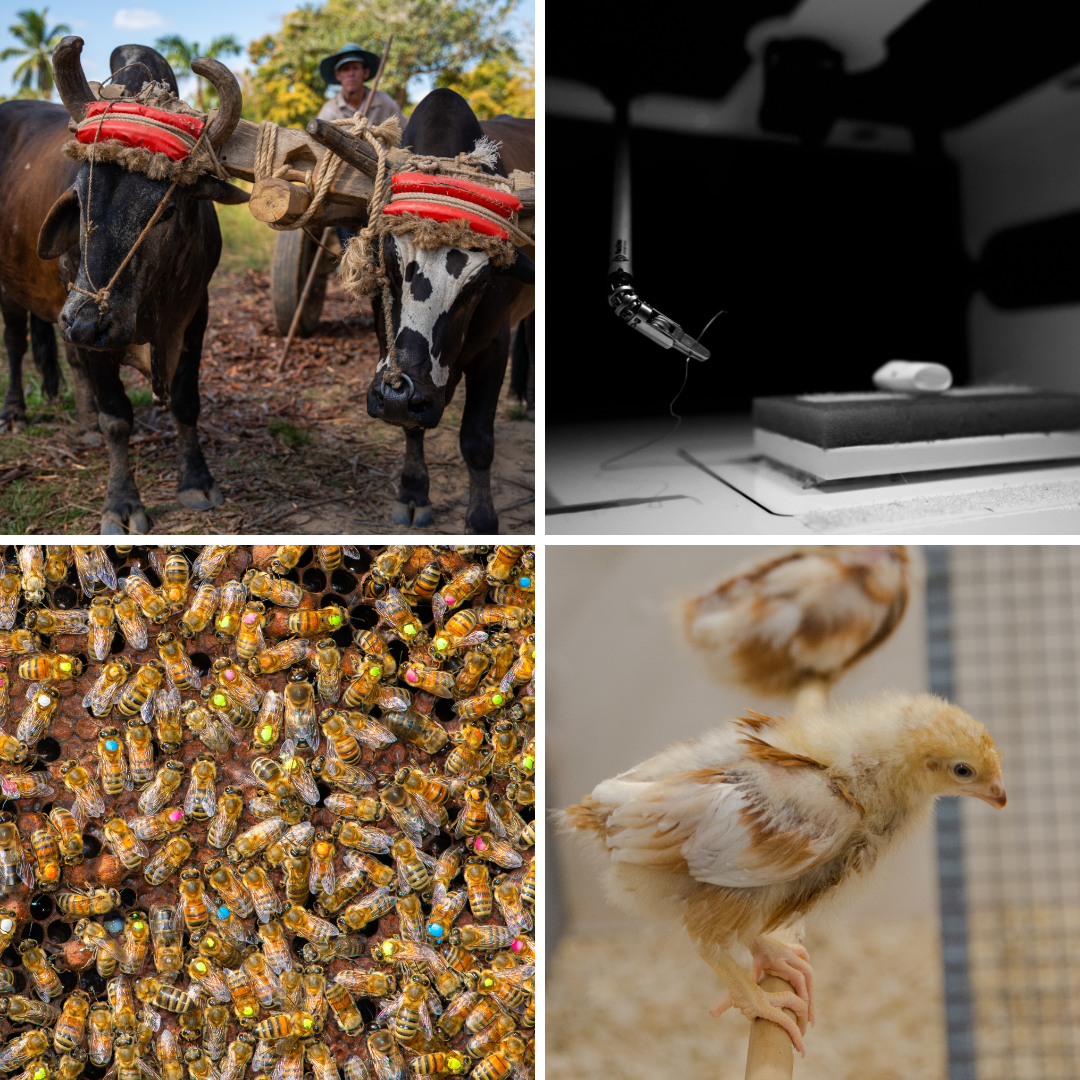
965,772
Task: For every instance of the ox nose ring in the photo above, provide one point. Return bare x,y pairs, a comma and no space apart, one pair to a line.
403,376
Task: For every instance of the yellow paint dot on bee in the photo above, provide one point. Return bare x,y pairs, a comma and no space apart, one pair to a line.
489,982
200,966
266,734
136,925
248,1010
65,667
40,1074
441,643
409,629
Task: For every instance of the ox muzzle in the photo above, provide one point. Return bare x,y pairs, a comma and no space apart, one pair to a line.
395,399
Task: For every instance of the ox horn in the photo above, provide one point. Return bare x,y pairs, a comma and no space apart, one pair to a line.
224,81
75,91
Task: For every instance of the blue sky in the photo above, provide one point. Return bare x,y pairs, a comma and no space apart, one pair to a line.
103,25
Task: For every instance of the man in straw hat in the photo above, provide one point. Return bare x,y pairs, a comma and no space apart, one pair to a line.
352,67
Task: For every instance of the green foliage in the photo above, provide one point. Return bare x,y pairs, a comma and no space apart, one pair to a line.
430,37
502,84
245,242
290,436
39,41
180,52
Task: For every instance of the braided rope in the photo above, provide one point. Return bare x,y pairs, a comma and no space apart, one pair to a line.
520,239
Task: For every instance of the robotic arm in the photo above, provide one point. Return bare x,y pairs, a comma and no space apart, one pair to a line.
622,297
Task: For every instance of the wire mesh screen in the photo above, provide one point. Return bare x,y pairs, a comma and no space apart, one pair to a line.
1016,653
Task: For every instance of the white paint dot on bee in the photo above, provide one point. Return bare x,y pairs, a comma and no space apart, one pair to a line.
44,700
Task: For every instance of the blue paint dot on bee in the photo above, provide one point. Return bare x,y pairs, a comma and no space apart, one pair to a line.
525,582
223,912
112,746
114,926
435,930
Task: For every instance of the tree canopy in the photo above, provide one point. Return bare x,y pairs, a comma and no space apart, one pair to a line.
38,40
180,52
431,37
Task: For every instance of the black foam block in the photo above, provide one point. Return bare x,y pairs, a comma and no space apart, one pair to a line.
833,420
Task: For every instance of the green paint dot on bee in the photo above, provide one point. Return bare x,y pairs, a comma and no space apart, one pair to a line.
266,734
497,699
136,925
65,666
376,671
409,629
40,1074
219,700
200,966
528,762
441,643
453,1064
335,619
307,1023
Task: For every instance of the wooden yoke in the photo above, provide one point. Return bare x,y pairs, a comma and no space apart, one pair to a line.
281,201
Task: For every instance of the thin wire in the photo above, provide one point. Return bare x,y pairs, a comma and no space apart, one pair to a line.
671,409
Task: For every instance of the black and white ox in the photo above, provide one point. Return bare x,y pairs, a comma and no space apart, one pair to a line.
452,313
158,306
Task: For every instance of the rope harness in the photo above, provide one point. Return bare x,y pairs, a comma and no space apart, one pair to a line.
177,136
464,207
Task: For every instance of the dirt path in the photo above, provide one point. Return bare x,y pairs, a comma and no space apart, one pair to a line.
292,453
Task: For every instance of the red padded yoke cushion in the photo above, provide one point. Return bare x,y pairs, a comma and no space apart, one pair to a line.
172,134
467,191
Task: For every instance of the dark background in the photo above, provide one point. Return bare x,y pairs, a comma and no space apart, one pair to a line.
827,262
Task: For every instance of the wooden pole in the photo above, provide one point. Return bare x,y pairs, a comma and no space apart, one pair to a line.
317,261
770,1055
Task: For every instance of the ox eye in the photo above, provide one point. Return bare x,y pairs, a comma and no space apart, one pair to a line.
168,212
965,772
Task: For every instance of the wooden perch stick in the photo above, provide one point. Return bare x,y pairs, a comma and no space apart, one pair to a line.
770,1055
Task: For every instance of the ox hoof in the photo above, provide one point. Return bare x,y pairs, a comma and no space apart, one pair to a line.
199,499
90,438
135,522
411,514
14,426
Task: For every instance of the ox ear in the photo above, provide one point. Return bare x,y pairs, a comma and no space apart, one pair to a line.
60,229
523,268
210,187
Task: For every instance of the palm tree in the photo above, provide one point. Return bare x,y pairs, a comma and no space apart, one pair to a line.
40,42
180,52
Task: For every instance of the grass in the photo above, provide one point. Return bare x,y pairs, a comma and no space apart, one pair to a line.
292,437
245,242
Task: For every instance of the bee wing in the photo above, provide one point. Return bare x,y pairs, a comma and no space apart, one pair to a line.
91,801
190,797
507,681
394,698
99,639
105,571
438,608
304,783
140,849
148,706
371,733
496,822
82,818
477,637
329,879
209,801
134,629
26,871
352,552
157,563
192,674
434,815
238,735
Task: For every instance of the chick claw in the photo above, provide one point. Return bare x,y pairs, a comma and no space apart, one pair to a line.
769,1006
788,962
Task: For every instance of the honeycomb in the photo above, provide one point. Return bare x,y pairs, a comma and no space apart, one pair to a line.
73,733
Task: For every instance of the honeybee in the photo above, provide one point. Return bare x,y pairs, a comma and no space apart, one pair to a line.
458,632
46,853
268,723
199,1066
166,711
263,894
137,696
158,794
68,834
372,643
42,974
428,791
345,1011
226,884
175,660
385,1056
251,841
399,804
57,560
410,917
240,1052
201,798
167,861
280,656
88,800
521,671
128,618
329,556
155,826
457,591
168,1051
35,719
464,759
300,921
321,876
340,739
32,565
94,569
345,888
361,837
431,680
450,1062
140,750
477,813
363,690
230,605
128,848
488,1038
496,850
314,1001
33,785
502,561
396,611
479,887
192,906
511,595
211,561
276,590
208,730
46,621
501,1061
275,946
200,611
230,807
468,677
51,667
215,1031
112,765
19,642
327,662
100,1033
445,908
447,868
174,574
107,952
136,940
138,587
336,773
21,1010
91,901
357,807
10,585
481,705
507,896
69,1027
424,584
22,1048
413,866
165,936
13,750
152,991
412,726
9,922
299,712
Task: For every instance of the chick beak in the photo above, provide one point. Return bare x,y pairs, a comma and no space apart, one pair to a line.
994,793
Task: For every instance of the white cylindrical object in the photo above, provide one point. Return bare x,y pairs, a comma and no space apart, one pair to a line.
913,376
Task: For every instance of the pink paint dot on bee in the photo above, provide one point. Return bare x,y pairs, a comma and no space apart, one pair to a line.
230,674
517,946
177,815
249,618
411,676
479,845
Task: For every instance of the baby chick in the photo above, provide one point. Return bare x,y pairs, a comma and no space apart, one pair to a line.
803,616
741,832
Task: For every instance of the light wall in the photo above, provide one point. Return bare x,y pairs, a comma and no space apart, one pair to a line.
622,684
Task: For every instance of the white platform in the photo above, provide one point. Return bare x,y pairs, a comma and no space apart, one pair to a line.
844,462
